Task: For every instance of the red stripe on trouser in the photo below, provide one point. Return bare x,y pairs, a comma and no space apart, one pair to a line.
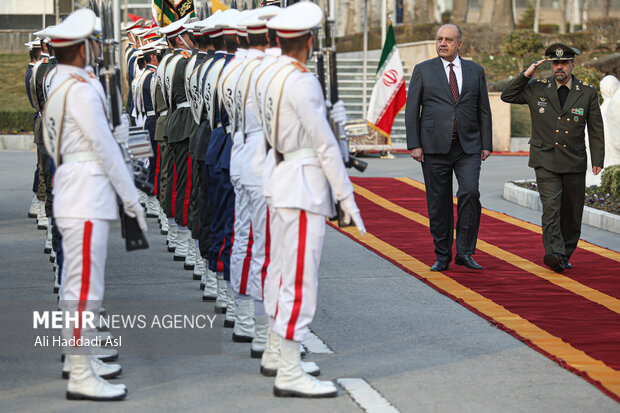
188,190
157,168
174,187
220,263
88,232
263,272
277,302
299,276
245,271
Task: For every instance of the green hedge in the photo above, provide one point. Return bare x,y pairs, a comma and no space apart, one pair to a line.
15,121
610,180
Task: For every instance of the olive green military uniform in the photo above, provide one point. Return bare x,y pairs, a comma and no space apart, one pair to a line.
558,152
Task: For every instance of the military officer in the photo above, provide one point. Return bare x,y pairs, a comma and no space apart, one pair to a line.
309,168
91,174
561,107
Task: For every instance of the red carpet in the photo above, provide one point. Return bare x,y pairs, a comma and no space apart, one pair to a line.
573,317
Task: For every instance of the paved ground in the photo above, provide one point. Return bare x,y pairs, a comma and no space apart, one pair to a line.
420,350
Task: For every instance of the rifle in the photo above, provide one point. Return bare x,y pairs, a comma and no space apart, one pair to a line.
134,146
326,50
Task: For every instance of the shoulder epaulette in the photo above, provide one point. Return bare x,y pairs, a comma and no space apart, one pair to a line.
92,75
300,66
78,77
186,54
587,84
45,60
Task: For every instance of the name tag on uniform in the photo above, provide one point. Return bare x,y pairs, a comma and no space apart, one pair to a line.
577,111
542,103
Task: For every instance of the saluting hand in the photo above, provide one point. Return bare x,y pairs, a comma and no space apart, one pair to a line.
530,70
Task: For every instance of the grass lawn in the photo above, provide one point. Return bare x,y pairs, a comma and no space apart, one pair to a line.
13,96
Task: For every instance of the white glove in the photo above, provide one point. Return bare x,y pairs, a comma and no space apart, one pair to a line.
135,210
338,114
352,212
121,132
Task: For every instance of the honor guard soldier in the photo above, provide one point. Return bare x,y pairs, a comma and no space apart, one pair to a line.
561,107
240,255
200,215
309,170
178,126
91,174
221,193
34,50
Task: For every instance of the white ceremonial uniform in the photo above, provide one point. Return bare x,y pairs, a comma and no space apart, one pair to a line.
86,189
302,186
252,181
239,257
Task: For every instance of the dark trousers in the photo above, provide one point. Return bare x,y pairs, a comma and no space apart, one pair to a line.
205,214
562,197
227,214
162,177
438,171
149,125
179,151
194,205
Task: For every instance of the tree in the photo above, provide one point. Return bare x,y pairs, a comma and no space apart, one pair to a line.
459,11
520,43
529,16
421,12
502,15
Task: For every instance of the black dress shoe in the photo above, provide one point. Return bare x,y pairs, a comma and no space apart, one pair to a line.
566,263
440,265
468,261
554,261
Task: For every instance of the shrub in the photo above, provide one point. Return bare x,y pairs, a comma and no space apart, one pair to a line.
15,121
520,43
610,180
607,32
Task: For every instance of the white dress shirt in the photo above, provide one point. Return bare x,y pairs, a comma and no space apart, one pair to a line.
458,71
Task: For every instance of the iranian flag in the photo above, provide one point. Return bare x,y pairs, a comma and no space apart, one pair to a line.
167,11
389,94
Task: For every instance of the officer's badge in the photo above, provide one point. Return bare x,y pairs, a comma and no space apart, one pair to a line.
544,80
542,103
542,98
576,87
577,111
541,110
559,52
576,119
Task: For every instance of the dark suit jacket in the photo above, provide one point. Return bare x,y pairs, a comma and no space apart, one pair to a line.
558,133
431,109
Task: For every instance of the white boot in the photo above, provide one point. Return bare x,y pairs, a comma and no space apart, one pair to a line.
210,290
152,207
190,258
172,235
200,270
42,220
52,256
84,384
221,300
182,246
103,370
47,249
163,220
271,358
261,325
105,353
243,331
56,279
291,381
143,197
34,207
229,319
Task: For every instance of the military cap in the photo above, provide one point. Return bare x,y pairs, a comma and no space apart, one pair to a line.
296,20
132,25
77,27
560,51
256,23
175,28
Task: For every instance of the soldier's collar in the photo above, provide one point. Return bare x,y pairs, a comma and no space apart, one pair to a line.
568,84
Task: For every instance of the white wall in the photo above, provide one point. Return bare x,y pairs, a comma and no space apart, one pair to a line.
26,6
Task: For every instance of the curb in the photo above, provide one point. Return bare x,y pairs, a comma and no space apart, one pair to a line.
17,143
591,216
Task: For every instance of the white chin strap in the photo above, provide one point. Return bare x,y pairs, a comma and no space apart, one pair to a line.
89,59
184,42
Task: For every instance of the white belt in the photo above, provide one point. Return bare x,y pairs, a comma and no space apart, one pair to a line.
183,105
79,157
164,113
150,113
227,129
300,154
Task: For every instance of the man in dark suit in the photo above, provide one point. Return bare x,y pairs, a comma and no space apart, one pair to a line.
448,121
560,107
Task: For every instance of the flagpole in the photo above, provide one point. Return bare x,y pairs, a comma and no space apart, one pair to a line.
388,154
365,58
